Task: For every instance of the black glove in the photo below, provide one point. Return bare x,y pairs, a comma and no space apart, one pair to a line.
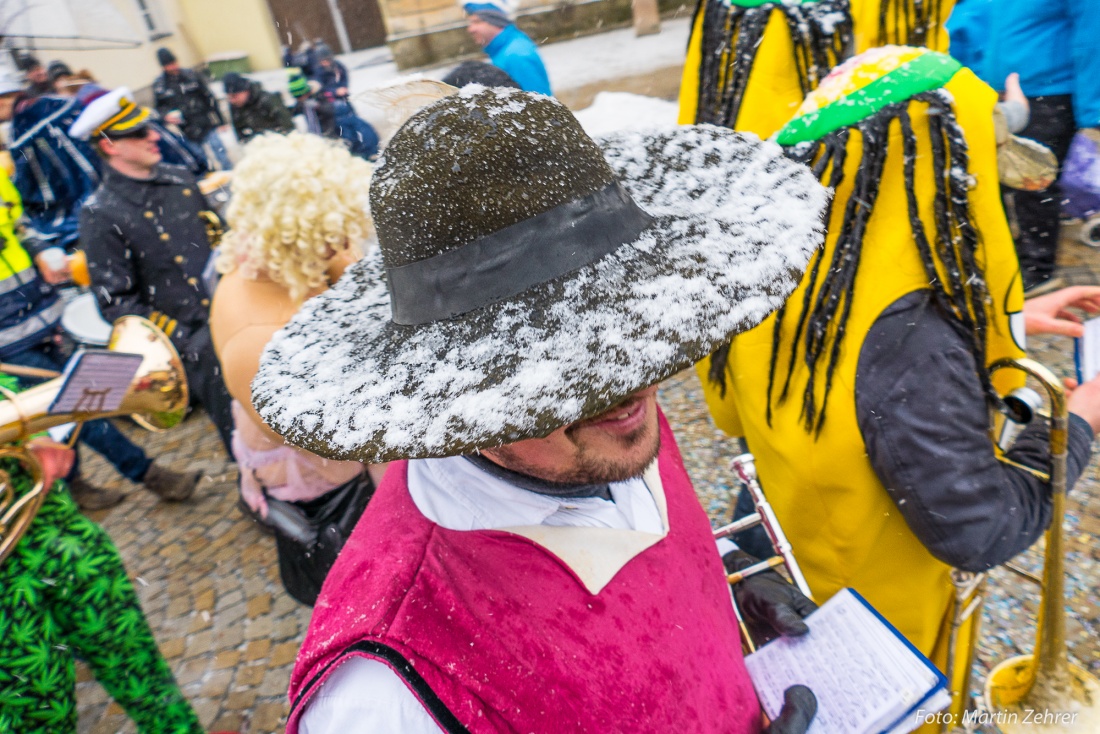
770,605
799,707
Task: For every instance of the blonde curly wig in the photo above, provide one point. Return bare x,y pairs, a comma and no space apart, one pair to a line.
298,201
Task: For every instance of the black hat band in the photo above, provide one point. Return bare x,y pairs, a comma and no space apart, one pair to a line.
507,262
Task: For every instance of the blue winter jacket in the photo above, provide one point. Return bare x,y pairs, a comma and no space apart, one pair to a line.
515,52
1054,45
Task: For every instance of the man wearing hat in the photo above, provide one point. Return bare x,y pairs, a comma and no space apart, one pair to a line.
254,110
38,78
330,73
183,99
492,25
146,243
536,558
332,119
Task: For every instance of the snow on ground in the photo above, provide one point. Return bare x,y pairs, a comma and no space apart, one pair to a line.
613,111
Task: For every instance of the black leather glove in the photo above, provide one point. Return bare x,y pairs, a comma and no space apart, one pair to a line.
770,604
799,707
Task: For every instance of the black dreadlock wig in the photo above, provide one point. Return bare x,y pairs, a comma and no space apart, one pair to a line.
913,23
955,276
822,35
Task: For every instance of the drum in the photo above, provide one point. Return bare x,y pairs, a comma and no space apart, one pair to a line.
83,323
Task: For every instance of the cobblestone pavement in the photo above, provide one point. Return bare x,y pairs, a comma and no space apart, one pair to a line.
209,582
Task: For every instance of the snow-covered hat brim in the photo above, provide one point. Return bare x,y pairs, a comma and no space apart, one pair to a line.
735,224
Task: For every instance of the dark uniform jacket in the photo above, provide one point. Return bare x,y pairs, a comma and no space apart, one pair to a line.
263,112
188,93
147,248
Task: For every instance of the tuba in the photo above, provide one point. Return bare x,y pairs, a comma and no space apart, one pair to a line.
1045,682
156,399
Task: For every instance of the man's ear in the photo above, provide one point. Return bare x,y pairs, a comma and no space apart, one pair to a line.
104,146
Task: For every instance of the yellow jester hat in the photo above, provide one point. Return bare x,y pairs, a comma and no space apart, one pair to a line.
750,63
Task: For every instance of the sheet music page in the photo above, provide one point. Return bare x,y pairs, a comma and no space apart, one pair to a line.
864,677
1088,350
96,381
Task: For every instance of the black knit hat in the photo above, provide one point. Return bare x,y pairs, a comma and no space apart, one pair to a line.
519,286
479,72
234,82
58,69
165,56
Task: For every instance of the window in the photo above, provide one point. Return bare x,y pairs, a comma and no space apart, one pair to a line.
154,20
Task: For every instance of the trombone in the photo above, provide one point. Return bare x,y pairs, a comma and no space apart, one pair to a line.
745,468
1046,681
156,399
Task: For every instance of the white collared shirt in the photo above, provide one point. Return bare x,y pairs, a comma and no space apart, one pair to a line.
364,695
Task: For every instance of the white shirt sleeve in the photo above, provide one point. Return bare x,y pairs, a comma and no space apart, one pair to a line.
365,696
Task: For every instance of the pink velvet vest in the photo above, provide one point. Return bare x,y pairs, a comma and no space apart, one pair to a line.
493,633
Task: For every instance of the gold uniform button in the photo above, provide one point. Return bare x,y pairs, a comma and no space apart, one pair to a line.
178,259
165,236
148,215
187,192
192,281
205,302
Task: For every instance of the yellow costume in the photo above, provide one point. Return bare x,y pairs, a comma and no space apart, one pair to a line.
761,60
842,523
911,22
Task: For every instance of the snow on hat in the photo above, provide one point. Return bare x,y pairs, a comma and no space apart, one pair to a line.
113,112
525,279
498,12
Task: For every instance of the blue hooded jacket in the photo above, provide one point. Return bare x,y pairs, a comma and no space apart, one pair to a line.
514,52
1051,44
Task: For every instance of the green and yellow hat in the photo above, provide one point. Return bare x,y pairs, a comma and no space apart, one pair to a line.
865,84
115,112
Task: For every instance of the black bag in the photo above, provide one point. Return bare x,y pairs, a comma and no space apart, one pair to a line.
309,535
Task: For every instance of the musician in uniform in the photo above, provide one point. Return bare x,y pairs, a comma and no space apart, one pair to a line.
866,397
541,562
67,594
147,245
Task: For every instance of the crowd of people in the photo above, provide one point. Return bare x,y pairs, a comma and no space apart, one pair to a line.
437,370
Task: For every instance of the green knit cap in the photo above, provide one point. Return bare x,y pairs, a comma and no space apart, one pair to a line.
299,86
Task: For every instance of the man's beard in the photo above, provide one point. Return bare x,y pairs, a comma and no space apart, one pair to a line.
590,468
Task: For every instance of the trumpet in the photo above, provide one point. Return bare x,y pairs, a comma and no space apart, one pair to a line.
1046,681
156,399
745,468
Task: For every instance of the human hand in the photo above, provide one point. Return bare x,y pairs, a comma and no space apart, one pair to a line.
1084,401
253,494
799,707
53,265
56,458
1048,315
771,606
342,92
175,117
1013,91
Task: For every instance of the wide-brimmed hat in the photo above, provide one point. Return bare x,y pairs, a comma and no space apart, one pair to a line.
526,279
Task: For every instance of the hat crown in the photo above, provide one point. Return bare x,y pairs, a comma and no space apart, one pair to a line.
475,163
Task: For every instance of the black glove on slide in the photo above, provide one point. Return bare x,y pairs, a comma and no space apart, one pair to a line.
770,604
